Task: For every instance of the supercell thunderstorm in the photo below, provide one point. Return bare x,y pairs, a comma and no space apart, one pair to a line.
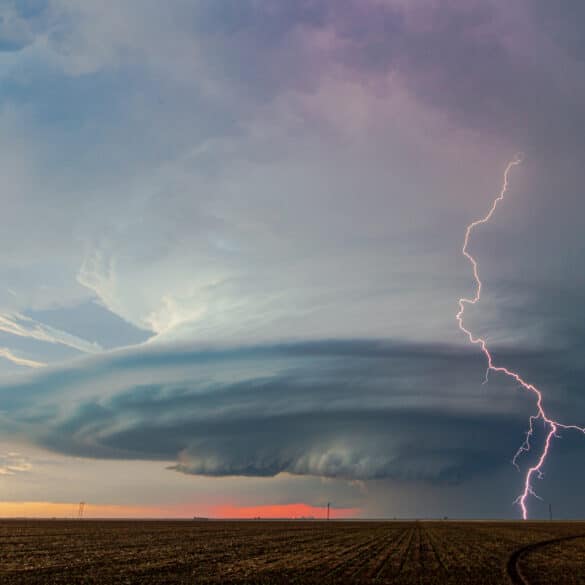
551,426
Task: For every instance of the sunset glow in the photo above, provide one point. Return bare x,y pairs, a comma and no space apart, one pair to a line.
283,511
70,510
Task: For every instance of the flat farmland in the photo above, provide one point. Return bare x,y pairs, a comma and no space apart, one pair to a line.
265,552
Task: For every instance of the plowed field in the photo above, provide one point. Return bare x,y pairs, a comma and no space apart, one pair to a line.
116,552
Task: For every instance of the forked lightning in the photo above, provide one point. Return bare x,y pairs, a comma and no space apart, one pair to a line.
552,426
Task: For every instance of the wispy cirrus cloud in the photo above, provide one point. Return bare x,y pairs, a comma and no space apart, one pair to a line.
23,326
20,361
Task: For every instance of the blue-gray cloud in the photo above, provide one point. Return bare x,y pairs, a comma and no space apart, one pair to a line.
358,410
19,23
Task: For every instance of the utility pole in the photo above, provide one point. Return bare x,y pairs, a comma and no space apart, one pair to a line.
80,511
328,507
550,512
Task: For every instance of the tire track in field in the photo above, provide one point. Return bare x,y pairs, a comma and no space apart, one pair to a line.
514,572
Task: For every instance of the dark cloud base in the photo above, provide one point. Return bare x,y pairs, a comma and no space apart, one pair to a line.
355,410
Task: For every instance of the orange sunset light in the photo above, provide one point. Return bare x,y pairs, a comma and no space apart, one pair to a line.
219,511
70,510
298,510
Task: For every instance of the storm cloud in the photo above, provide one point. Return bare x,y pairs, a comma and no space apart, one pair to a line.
233,232
353,410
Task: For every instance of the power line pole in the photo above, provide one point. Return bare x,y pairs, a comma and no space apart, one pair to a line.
550,512
328,508
80,511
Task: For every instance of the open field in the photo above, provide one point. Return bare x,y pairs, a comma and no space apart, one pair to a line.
166,552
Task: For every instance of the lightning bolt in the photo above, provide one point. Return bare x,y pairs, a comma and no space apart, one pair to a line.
551,426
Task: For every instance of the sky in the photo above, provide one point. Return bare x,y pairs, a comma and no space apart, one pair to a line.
230,256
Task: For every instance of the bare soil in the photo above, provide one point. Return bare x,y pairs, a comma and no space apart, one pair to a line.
266,552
